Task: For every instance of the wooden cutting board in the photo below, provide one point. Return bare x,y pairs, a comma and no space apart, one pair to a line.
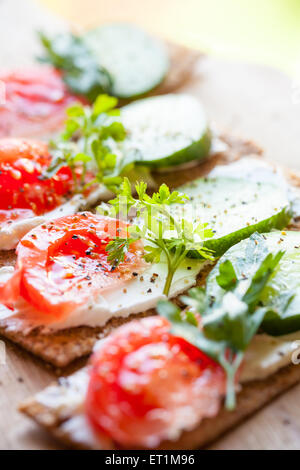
257,102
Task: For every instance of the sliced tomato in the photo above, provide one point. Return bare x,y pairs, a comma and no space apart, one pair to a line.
147,385
62,264
34,101
22,163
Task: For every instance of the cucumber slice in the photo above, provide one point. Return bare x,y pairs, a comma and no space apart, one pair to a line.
282,293
136,61
234,209
166,130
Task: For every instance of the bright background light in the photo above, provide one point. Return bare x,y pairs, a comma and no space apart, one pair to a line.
261,31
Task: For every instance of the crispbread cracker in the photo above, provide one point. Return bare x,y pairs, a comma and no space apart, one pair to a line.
62,347
7,258
63,420
183,68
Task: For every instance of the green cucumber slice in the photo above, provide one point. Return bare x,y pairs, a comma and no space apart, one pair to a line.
166,130
282,293
234,209
136,61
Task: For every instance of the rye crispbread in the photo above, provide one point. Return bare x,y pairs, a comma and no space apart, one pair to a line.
62,347
65,421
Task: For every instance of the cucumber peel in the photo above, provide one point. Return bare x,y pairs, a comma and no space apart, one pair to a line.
166,130
281,296
234,209
136,61
282,292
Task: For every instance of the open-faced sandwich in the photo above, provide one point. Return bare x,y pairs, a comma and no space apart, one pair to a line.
99,145
181,379
119,59
78,277
73,281
142,239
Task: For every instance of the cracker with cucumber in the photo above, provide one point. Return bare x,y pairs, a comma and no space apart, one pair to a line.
268,349
170,136
65,345
239,247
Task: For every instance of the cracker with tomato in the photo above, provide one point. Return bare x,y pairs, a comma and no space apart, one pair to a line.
146,388
61,347
64,280
34,102
62,266
67,419
27,196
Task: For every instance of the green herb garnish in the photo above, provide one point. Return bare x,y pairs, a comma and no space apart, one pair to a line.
227,324
80,69
161,233
90,141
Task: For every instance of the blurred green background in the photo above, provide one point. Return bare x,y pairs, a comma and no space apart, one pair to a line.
260,31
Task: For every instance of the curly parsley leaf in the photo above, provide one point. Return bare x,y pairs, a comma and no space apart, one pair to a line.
89,143
161,233
185,325
261,278
227,324
227,277
117,250
196,299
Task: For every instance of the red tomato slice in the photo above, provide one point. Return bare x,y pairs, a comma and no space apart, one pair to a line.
147,385
22,163
62,264
34,103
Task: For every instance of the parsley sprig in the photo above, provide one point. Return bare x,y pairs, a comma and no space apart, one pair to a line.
228,323
81,71
90,140
161,233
